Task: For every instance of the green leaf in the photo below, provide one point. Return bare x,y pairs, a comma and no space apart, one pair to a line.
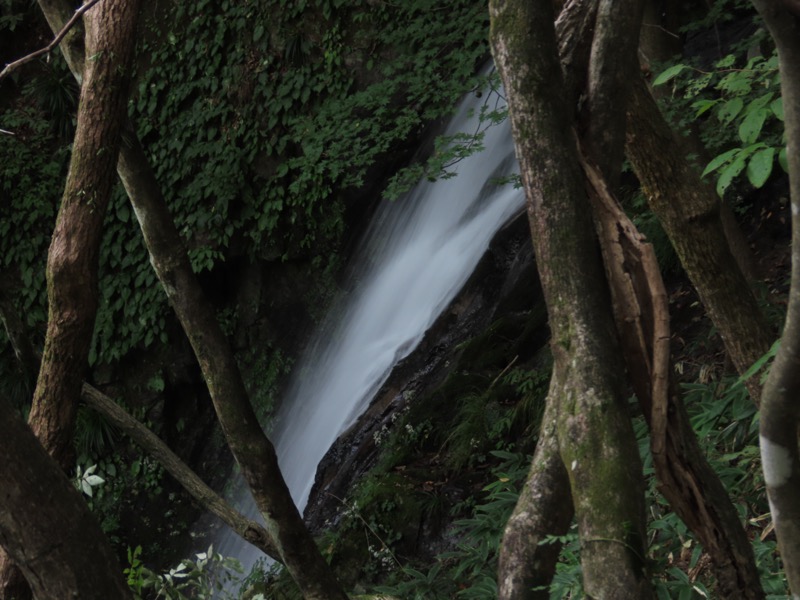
701,106
776,106
124,213
756,367
730,109
759,167
670,73
750,128
720,160
735,167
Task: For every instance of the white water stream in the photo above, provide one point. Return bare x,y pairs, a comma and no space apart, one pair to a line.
416,256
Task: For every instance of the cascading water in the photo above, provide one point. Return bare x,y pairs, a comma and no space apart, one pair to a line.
417,254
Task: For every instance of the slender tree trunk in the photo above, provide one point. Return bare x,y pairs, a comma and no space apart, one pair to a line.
526,564
780,412
27,360
594,434
611,65
250,446
46,526
689,211
658,43
74,249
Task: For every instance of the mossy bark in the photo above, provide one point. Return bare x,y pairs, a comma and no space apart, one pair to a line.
252,449
595,438
689,211
526,564
74,249
780,412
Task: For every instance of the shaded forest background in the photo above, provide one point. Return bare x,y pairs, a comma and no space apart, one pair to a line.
273,128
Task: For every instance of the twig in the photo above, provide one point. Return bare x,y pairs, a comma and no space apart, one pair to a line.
57,40
368,526
503,372
667,31
7,132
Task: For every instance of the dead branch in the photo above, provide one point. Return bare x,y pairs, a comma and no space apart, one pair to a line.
49,48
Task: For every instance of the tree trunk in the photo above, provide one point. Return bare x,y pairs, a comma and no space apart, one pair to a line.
527,565
594,434
74,250
687,481
780,413
250,446
611,65
27,360
46,526
689,211
659,42
73,256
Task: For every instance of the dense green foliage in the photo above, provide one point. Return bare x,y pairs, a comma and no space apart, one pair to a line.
257,117
734,103
262,120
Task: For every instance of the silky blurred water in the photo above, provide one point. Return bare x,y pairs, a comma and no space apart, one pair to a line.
416,255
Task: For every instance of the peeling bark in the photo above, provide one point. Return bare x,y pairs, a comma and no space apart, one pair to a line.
780,413
687,481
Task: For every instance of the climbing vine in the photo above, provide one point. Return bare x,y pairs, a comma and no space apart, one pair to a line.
257,117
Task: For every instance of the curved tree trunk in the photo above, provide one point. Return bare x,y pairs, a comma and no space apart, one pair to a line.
73,256
594,434
687,481
689,211
46,526
780,412
252,449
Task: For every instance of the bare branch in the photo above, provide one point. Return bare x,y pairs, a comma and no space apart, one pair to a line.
49,48
248,530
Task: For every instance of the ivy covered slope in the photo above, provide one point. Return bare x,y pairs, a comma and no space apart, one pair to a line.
270,125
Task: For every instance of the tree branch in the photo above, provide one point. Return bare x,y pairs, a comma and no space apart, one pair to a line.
49,48
249,530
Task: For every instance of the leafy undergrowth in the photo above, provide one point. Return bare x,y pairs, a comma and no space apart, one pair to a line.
726,422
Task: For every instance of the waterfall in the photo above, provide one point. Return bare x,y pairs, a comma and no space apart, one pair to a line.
413,260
